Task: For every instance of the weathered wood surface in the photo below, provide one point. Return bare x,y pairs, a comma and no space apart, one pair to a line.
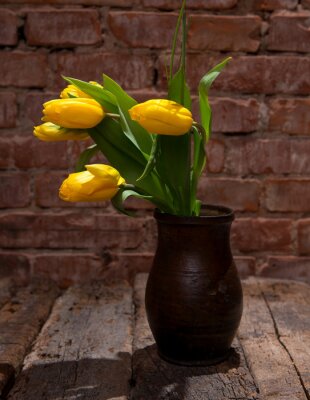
84,349
274,334
96,345
156,379
22,314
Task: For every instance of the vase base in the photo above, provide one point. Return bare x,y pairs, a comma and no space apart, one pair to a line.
197,363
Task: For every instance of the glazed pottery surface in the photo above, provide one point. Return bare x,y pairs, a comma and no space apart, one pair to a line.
193,295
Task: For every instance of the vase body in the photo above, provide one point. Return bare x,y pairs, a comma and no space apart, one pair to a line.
193,296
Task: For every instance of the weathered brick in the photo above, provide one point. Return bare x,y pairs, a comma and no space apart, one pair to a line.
126,265
269,5
303,236
289,32
245,266
235,115
289,116
238,194
33,153
23,69
224,33
15,191
262,234
305,3
264,156
215,156
287,267
259,74
8,27
31,112
130,71
288,195
115,3
140,29
63,28
70,230
15,266
5,153
194,4
8,110
231,115
68,268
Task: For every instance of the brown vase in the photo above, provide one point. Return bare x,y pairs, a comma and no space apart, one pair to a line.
193,295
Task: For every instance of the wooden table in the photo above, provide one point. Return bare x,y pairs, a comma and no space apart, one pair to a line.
93,342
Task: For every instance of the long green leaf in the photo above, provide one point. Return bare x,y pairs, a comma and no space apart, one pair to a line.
138,135
204,87
199,161
85,157
122,195
106,99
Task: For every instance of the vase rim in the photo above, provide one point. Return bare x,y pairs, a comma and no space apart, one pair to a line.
220,215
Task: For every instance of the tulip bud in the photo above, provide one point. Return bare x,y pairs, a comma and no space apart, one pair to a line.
73,91
164,117
99,182
50,132
76,113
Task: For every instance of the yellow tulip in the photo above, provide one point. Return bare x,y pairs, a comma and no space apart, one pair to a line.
99,182
72,90
50,132
161,116
74,113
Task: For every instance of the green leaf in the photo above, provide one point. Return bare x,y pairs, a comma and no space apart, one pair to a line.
175,38
121,196
138,135
106,99
85,157
199,161
151,162
204,87
176,86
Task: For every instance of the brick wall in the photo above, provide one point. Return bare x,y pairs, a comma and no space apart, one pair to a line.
259,161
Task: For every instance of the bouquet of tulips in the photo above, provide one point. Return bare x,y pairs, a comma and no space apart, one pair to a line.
155,149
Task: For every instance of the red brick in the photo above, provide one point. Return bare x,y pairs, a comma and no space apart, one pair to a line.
67,268
256,156
245,266
23,69
70,230
288,195
262,235
269,5
231,115
8,110
215,156
194,4
224,33
259,74
140,29
289,32
8,27
33,153
127,265
303,236
235,115
15,266
289,116
115,3
15,191
63,28
130,71
5,153
289,267
305,3
238,194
